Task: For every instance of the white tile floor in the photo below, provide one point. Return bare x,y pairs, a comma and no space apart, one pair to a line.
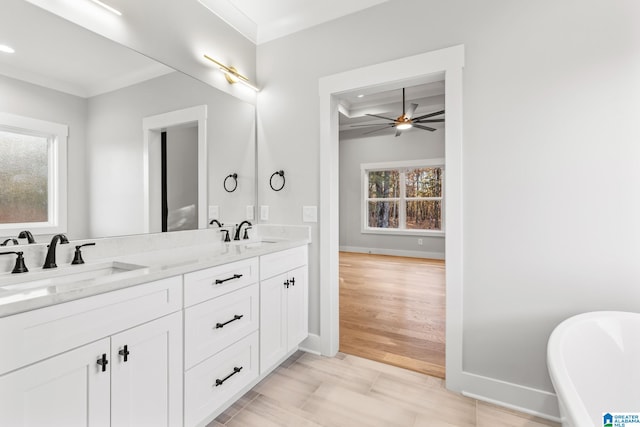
349,391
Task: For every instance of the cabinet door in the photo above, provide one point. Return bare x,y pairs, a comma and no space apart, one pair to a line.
297,307
146,388
67,390
273,316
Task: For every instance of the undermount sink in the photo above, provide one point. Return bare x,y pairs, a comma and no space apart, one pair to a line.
69,276
258,244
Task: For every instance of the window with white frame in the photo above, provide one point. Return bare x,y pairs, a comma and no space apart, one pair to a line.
403,197
33,175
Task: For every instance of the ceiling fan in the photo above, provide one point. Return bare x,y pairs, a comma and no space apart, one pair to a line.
406,120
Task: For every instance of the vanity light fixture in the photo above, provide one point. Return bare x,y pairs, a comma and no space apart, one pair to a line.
106,6
6,49
232,75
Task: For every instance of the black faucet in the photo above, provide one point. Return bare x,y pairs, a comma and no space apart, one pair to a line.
215,221
14,241
50,261
26,234
20,267
237,235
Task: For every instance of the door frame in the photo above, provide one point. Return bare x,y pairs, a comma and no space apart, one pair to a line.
409,71
152,127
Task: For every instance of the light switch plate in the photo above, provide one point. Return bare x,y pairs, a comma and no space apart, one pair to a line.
310,214
264,213
249,213
214,212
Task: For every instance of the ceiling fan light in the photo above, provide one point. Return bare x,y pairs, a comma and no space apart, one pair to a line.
404,126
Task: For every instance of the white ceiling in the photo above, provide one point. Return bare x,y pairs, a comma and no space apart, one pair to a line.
265,20
387,102
52,52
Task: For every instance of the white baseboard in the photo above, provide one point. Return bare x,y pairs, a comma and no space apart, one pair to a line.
311,344
393,252
539,403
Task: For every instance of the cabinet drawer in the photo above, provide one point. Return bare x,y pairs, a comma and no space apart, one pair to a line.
217,323
279,262
202,395
38,334
205,284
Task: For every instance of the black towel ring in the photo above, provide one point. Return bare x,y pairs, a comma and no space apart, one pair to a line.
235,179
280,173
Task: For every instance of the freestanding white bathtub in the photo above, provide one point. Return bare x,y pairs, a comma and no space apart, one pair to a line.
594,363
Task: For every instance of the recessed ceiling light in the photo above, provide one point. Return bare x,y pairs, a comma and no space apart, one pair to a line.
6,49
361,95
106,6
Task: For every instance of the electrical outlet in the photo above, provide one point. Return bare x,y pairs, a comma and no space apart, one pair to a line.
264,213
310,214
249,213
420,242
214,212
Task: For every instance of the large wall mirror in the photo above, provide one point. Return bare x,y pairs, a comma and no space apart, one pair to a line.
112,102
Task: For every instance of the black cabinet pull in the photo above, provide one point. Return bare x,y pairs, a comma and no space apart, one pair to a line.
236,317
293,281
124,352
235,276
235,371
103,362
286,284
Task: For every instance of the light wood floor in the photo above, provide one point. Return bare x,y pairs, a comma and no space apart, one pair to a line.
349,391
392,309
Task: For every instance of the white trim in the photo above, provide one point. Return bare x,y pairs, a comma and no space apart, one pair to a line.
403,232
311,345
402,164
393,252
411,70
512,396
57,135
152,127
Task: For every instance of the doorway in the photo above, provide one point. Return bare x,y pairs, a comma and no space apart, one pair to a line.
165,206
391,262
179,178
406,71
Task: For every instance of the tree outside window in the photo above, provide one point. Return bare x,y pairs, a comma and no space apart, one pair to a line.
407,198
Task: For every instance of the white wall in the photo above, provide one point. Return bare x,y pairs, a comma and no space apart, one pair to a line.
551,95
411,145
114,153
37,102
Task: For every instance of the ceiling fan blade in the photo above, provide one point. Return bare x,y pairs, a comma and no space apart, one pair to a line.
429,121
398,132
372,124
378,130
381,117
424,127
437,113
411,110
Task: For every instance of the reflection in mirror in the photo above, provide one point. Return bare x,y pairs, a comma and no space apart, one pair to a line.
103,92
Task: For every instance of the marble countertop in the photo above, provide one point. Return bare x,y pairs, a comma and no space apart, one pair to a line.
41,288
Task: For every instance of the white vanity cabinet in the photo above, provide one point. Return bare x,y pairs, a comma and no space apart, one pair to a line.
146,374
221,339
65,390
68,364
173,352
283,304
